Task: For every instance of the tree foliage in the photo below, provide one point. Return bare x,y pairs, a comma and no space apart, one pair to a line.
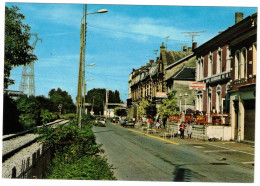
18,51
61,97
99,97
169,106
143,105
11,122
30,111
120,112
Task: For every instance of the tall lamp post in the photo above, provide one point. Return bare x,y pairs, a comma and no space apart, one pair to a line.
185,97
180,101
81,77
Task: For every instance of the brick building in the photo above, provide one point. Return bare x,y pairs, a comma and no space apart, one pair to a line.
227,65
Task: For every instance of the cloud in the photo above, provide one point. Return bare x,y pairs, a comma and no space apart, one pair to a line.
141,29
55,61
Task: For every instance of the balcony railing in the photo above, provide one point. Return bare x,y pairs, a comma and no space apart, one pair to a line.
202,119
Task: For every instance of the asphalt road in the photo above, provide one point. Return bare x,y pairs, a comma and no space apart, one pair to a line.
137,157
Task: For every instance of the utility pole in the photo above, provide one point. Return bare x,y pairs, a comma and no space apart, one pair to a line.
192,35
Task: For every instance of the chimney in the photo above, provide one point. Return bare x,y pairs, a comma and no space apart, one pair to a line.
189,49
184,48
238,17
194,46
151,61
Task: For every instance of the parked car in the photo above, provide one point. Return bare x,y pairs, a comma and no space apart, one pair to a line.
115,119
123,122
129,123
102,120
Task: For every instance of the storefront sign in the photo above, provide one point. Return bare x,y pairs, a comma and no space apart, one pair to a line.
161,95
197,86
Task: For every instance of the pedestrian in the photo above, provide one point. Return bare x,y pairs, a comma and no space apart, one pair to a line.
149,123
164,122
134,119
182,127
189,130
158,125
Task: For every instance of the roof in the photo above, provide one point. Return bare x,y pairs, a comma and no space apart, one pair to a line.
185,73
228,34
181,60
173,56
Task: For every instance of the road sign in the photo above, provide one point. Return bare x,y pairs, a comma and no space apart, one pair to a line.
197,86
161,95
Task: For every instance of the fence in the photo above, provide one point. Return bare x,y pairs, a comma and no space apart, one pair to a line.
35,166
202,119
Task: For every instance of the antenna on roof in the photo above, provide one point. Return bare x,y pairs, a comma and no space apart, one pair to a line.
182,44
155,53
192,34
167,37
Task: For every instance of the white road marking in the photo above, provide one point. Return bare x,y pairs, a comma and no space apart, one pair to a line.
231,149
199,147
219,151
250,162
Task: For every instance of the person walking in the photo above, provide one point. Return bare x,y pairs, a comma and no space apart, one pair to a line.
182,127
149,123
189,130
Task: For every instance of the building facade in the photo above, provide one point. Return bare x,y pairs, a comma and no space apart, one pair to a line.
243,79
227,65
149,81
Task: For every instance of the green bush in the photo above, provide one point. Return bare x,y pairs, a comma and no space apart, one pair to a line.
47,116
84,168
75,156
69,116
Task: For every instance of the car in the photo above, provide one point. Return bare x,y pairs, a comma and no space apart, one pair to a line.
102,120
129,123
123,122
115,119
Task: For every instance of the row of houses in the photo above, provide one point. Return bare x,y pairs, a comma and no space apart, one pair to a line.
225,66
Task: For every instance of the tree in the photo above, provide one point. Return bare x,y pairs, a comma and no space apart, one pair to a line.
143,105
99,96
120,112
61,97
30,111
169,106
10,116
18,51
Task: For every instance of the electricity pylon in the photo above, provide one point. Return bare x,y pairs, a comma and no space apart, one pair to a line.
27,79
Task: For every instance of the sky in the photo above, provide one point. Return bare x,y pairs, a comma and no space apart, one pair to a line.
117,41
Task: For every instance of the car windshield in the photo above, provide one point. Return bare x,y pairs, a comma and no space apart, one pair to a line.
130,120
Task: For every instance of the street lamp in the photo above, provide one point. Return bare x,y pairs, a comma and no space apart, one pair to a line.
185,97
81,77
180,101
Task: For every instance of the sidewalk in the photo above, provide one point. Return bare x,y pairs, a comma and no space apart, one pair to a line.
246,147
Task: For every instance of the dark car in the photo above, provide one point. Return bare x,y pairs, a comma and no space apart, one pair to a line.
123,122
115,119
129,123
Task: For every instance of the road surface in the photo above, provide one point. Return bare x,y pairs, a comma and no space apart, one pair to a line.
137,157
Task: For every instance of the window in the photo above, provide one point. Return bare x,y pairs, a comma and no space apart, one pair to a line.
228,63
201,68
218,100
219,61
243,69
209,100
254,59
210,67
237,62
199,101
